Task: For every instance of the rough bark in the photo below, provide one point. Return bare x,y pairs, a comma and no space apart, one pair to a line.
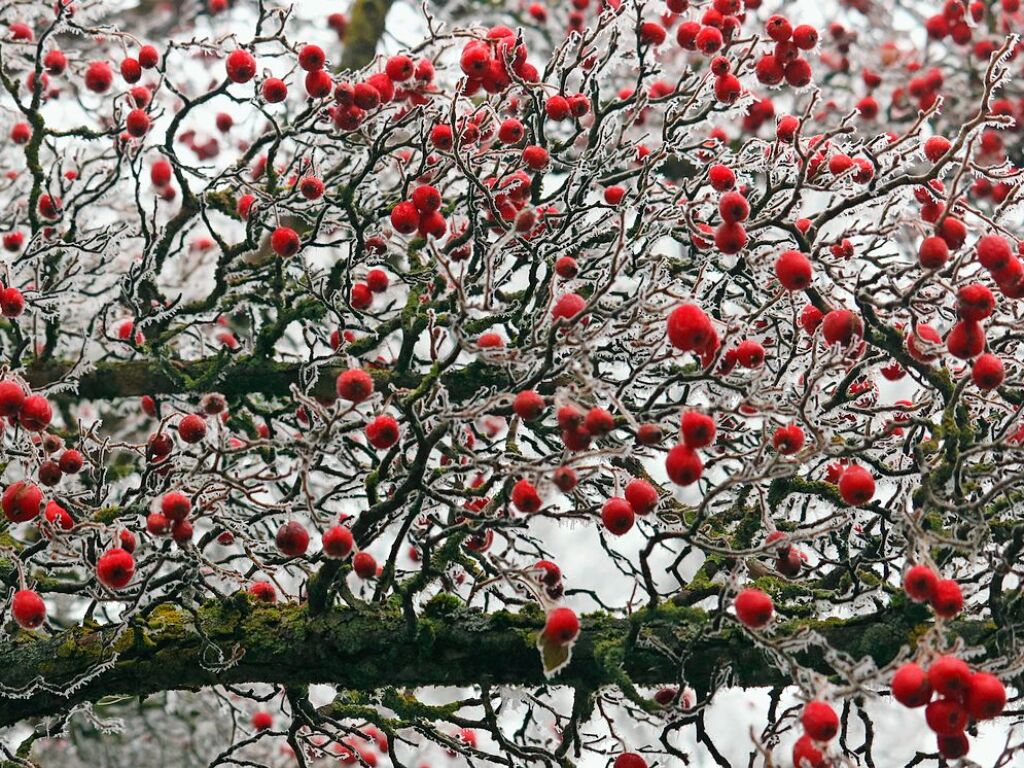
374,648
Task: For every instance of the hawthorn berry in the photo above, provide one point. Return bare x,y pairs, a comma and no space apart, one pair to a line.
28,609
240,66
382,432
292,539
617,516
819,720
115,568
562,626
919,583
856,486
364,565
910,686
192,428
354,385
754,608
285,242
525,497
793,270
337,542
683,465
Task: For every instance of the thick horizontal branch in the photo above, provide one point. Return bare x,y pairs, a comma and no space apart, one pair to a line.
450,645
241,376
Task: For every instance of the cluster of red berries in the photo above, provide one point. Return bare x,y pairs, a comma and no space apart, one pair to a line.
619,513
171,518
486,62
422,213
962,695
923,585
31,412
821,724
785,61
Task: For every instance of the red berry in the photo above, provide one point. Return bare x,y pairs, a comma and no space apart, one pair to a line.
71,461
953,746
793,270
337,542
568,306
115,568
35,413
285,241
994,252
754,608
364,565
966,340
641,495
683,465
377,280
689,329
935,147
12,397
910,686
841,326
856,486
820,721
262,721
240,66
274,90
919,583
806,755
525,497
21,501
311,58
192,428
98,77
426,199
946,717
528,405
950,677
28,609
947,599
987,372
733,207
598,422
137,123
975,302
629,760
263,591
382,432
354,385
617,516
986,696
562,626
175,506
788,440
536,158
12,302
565,478
149,57
405,218
292,539
933,253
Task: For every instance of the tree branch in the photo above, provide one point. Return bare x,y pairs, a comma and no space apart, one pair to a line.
173,648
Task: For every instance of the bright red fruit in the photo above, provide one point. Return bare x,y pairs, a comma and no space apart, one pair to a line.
354,385
28,609
337,542
910,686
683,465
856,486
947,600
21,501
562,626
754,608
382,432
617,516
115,568
820,721
525,497
641,495
919,583
986,696
292,539
950,676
